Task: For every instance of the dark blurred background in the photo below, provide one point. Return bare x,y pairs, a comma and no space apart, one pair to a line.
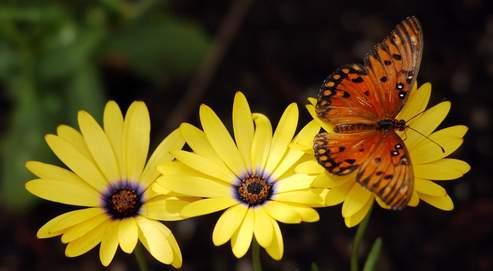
57,57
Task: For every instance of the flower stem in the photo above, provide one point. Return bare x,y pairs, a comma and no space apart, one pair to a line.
141,261
257,265
357,240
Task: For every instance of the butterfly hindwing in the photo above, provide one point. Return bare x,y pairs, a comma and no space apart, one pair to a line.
387,171
341,154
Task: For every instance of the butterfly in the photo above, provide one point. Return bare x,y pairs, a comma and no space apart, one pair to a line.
362,103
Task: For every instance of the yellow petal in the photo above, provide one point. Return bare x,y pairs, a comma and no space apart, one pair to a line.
206,166
276,247
338,194
176,167
356,199
307,197
197,141
128,234
306,135
99,146
309,167
79,194
261,141
443,203
195,186
293,183
81,229
263,230
449,139
172,143
162,208
57,225
307,214
228,223
282,212
177,257
427,187
416,103
207,206
220,140
425,124
311,109
52,172
86,242
356,218
287,162
155,238
113,127
77,162
381,203
414,199
109,243
243,126
282,136
75,138
241,240
444,169
136,131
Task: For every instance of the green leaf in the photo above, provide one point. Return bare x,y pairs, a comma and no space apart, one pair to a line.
159,48
373,256
84,92
66,50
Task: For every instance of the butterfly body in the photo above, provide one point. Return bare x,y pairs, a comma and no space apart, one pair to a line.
362,103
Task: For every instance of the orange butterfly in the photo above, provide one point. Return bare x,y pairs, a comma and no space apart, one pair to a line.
362,102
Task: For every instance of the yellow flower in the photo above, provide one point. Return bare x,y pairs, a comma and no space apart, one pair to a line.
251,177
109,177
429,162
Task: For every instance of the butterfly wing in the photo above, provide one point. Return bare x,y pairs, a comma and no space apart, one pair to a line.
341,154
387,171
380,159
379,89
393,65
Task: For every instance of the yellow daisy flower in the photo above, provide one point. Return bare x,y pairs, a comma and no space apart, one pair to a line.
429,162
250,177
109,176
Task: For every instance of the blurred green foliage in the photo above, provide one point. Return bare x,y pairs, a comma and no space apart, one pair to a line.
50,58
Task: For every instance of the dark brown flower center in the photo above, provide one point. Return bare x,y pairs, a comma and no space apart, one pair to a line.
254,190
123,200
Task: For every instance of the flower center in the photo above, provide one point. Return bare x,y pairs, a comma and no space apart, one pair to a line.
123,200
254,190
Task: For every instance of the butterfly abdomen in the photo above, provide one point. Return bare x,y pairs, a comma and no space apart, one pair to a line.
349,128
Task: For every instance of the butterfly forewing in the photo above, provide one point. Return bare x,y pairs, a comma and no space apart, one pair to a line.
348,95
378,89
393,65
387,171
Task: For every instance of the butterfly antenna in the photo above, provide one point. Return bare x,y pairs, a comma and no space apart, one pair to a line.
427,137
413,117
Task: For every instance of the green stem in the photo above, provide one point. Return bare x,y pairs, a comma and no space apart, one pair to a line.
357,240
257,265
141,261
